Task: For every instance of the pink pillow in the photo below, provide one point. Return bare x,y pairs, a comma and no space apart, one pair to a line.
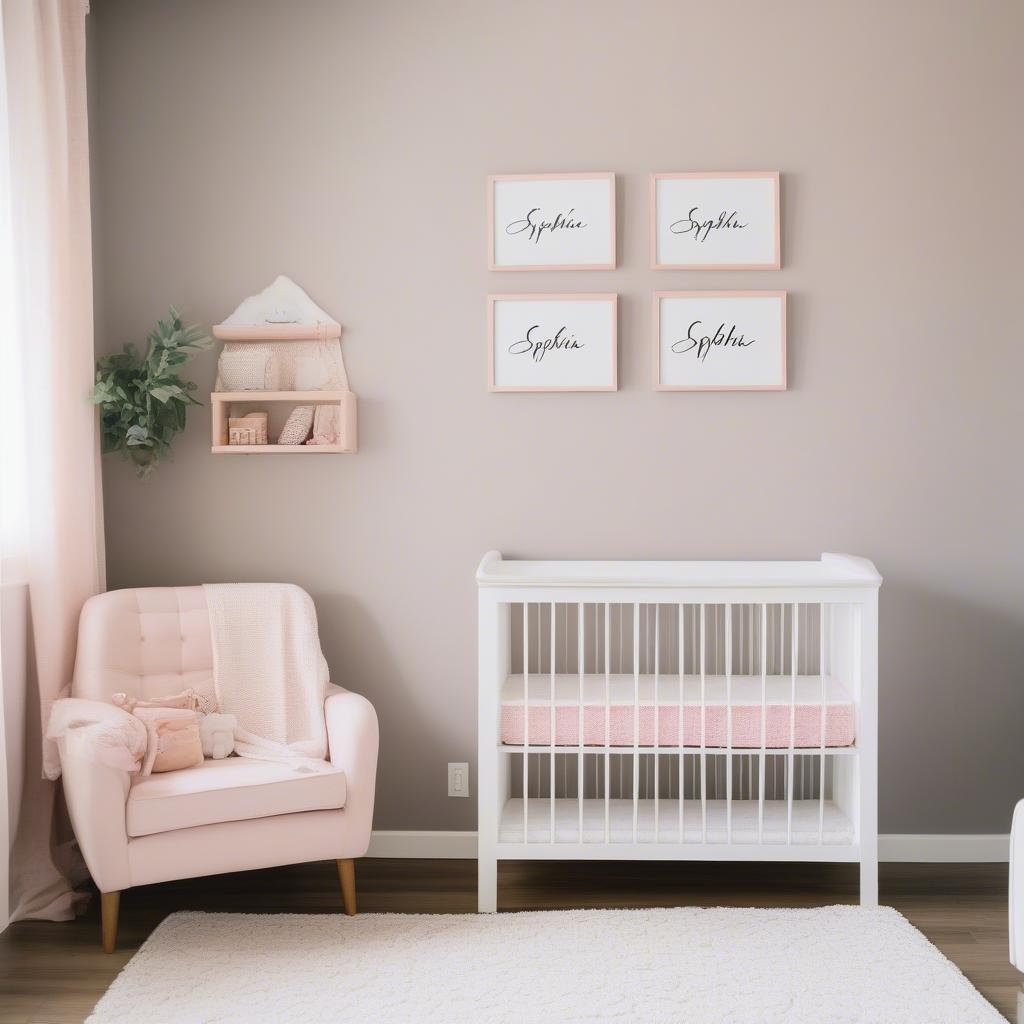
173,740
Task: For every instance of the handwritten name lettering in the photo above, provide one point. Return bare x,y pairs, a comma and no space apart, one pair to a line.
538,347
535,224
701,344
725,221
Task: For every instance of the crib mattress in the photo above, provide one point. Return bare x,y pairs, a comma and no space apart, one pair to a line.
783,717
837,828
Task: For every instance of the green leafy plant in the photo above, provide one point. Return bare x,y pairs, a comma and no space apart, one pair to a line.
143,401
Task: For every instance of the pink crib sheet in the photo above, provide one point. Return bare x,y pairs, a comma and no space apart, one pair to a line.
806,716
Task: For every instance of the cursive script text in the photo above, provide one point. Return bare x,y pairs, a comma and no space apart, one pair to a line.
702,344
535,224
702,228
538,347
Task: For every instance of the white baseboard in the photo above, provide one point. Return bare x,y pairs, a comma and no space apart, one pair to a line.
437,845
944,849
908,849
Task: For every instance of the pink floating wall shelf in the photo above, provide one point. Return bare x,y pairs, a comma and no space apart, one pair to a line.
278,332
284,313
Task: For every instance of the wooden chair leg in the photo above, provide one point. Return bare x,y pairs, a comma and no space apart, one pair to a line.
109,904
347,874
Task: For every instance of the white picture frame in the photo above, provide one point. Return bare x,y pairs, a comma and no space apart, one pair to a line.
552,342
724,220
551,221
720,341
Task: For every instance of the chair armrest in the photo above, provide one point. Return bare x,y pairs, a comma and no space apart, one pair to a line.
1017,887
98,746
96,795
353,737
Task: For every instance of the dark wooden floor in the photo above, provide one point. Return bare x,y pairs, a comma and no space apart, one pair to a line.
54,973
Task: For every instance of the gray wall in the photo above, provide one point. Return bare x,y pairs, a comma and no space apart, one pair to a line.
346,144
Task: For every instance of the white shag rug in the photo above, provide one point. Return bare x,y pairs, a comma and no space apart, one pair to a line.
833,965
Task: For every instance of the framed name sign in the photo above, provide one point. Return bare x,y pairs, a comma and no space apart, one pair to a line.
551,221
715,221
720,341
552,342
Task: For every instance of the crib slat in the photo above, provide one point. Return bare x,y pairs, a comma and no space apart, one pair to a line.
728,723
636,718
579,757
743,759
751,633
764,721
703,728
794,649
743,657
607,723
526,720
551,718
821,755
679,728
657,726
750,640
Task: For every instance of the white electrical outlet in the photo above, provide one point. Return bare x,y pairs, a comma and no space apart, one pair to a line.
458,778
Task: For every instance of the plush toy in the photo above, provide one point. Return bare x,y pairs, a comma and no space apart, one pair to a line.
217,733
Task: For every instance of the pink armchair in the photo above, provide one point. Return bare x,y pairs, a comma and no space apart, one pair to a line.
235,814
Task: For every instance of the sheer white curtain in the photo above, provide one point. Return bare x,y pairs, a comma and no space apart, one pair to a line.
49,474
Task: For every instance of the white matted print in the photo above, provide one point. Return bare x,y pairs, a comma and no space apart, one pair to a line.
551,221
720,341
552,342
715,221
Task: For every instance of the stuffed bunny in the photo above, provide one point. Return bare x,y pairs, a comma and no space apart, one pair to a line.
217,733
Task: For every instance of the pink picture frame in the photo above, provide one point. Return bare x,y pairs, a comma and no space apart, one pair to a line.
494,180
659,296
611,297
772,176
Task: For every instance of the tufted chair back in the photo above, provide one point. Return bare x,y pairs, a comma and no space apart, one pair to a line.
147,643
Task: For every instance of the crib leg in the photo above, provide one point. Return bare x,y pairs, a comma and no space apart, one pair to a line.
869,883
487,885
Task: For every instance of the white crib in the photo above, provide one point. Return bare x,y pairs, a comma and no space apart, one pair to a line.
678,711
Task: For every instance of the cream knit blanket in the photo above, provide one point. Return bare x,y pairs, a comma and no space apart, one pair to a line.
269,671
